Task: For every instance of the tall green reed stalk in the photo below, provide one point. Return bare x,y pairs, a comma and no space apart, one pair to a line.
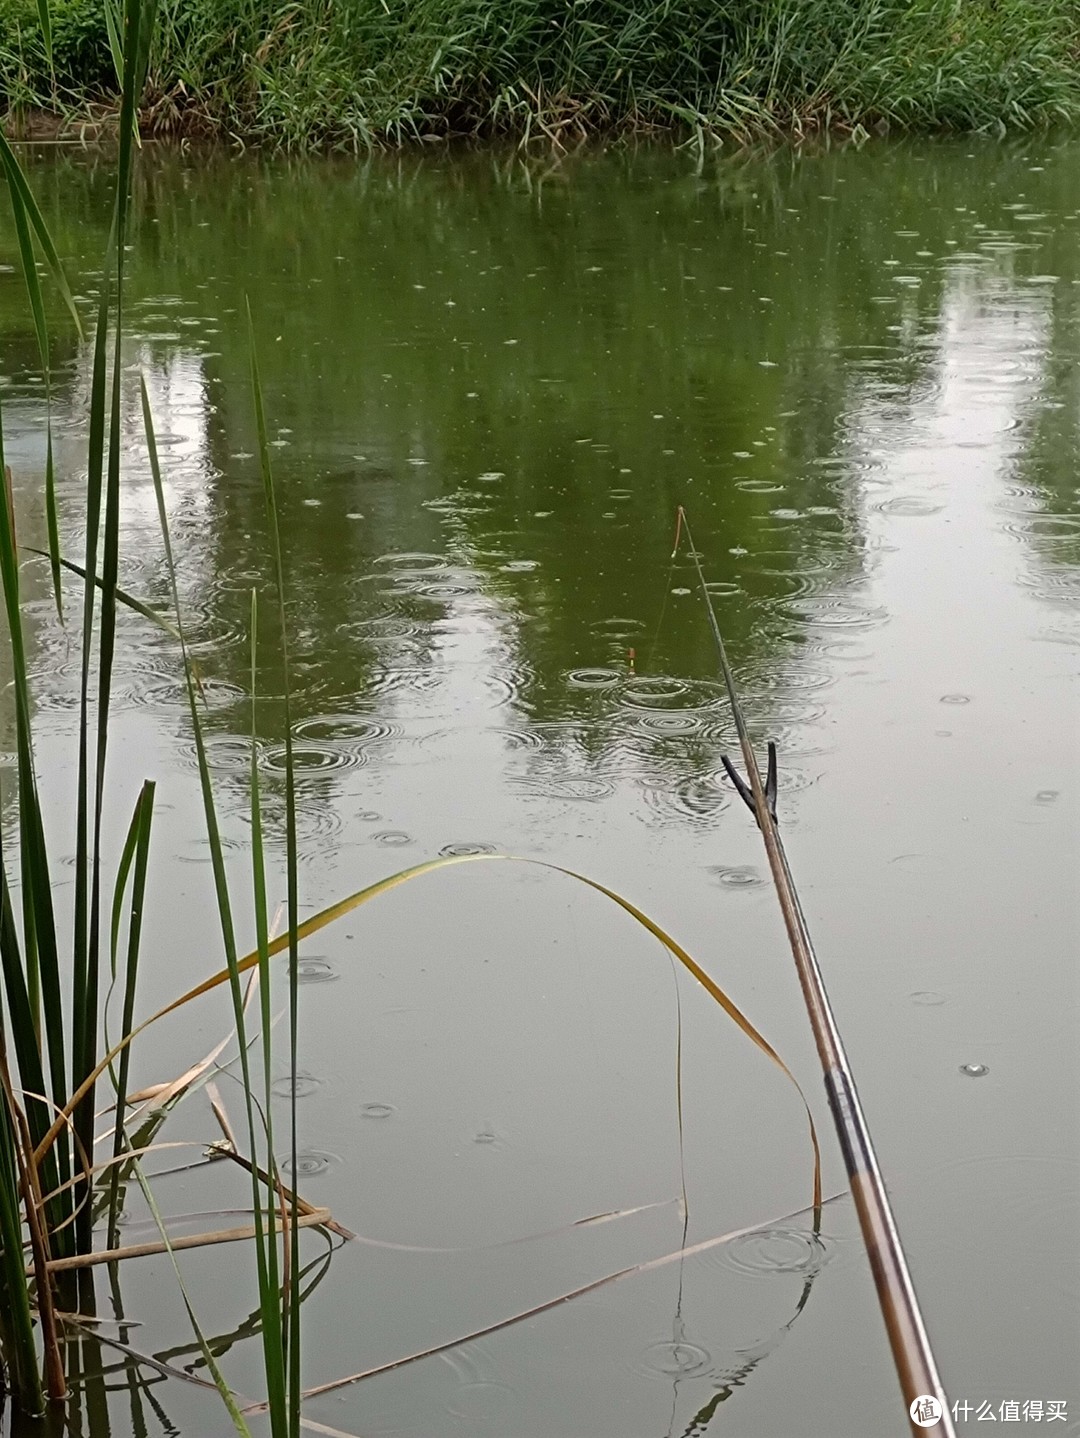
290,1336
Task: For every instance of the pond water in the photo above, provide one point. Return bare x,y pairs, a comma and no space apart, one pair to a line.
490,381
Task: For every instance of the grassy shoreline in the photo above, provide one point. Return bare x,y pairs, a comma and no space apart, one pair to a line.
358,73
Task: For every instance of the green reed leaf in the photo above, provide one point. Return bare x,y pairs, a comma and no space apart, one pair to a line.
17,186
291,1306
136,847
270,1297
45,21
128,600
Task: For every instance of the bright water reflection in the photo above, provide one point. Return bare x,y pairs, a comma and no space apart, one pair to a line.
490,384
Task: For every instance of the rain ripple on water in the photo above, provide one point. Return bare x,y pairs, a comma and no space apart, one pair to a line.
777,1251
413,561
697,798
910,506
486,1403
618,627
594,678
308,758
674,1360
665,692
378,627
668,725
335,741
838,611
225,753
303,1086
169,691
737,876
315,971
311,1162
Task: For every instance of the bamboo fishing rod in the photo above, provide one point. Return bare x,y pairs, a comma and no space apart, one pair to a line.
912,1354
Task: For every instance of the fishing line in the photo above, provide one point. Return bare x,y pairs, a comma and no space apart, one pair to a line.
667,595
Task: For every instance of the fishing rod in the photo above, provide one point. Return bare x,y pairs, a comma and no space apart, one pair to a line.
915,1366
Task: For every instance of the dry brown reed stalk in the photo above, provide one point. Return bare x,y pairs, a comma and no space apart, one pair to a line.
312,1218
304,1208
647,1266
33,1210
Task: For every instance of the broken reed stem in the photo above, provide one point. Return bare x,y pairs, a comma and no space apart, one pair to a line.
302,1205
316,1218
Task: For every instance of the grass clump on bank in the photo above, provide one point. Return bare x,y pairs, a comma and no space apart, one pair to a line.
359,72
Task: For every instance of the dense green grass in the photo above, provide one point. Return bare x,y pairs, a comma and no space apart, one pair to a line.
362,72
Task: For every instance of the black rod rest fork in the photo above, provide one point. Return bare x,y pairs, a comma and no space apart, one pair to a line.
744,788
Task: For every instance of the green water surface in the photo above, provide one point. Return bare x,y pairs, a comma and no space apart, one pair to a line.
490,380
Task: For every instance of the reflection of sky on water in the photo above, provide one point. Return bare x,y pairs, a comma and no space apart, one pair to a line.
465,683
961,715
449,643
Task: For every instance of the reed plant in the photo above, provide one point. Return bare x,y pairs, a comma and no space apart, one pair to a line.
50,1188
359,72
